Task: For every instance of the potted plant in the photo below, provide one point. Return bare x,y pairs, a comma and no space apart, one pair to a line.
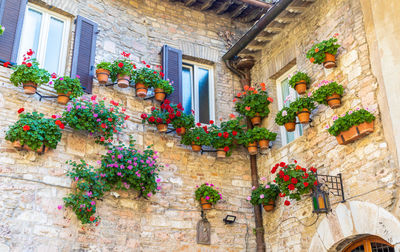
181,121
29,74
146,77
162,88
260,135
2,29
300,82
207,195
197,137
293,180
121,71
222,141
287,117
95,117
324,52
328,93
352,125
103,72
236,128
67,88
303,106
254,103
265,195
34,132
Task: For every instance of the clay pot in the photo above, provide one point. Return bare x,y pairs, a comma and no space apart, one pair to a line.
270,206
159,94
17,145
195,147
162,127
205,204
181,132
334,100
301,87
252,148
102,75
141,90
355,133
43,149
123,80
256,120
30,88
221,153
264,144
366,128
304,116
290,126
63,98
330,60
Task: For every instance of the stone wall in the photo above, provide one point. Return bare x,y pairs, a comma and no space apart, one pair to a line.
369,173
32,186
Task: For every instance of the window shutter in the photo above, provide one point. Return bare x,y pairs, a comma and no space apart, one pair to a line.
172,68
84,52
12,14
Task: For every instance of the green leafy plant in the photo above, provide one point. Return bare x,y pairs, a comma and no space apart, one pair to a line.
65,85
2,29
95,117
293,180
105,65
263,194
184,120
33,130
254,101
121,67
317,52
235,127
165,85
29,71
148,76
209,192
258,133
299,76
327,88
198,136
351,118
302,103
285,115
221,139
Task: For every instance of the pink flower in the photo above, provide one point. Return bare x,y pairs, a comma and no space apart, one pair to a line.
267,186
158,180
89,194
309,94
149,194
159,188
262,196
253,188
93,203
60,207
207,197
248,198
335,118
263,178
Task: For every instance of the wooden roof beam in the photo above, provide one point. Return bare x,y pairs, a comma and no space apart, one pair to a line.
239,10
190,2
207,5
224,6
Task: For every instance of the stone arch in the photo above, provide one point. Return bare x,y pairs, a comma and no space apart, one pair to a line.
351,221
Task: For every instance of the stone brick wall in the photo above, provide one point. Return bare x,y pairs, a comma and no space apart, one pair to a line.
33,186
365,165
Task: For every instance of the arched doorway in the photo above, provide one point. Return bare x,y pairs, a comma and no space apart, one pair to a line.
370,244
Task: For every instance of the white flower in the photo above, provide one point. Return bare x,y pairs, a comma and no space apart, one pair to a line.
284,113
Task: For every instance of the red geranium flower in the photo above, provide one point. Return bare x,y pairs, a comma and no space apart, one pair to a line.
198,138
220,134
178,113
161,74
152,119
54,75
247,108
286,178
61,126
305,184
291,187
234,133
143,116
282,164
126,117
282,195
110,119
294,180
57,122
6,64
198,124
178,130
226,148
159,120
29,64
226,135
168,121
103,125
30,52
270,99
120,65
92,218
21,110
287,202
26,128
54,116
211,122
102,139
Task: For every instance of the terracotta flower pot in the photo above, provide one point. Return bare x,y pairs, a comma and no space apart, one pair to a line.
162,127
264,144
301,87
304,116
256,120
330,60
205,204
123,80
43,149
195,147
30,88
141,90
334,100
221,153
181,131
252,148
102,75
17,145
159,94
270,206
355,133
290,126
366,128
63,98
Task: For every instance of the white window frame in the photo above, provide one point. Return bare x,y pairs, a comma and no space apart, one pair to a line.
40,55
195,90
293,94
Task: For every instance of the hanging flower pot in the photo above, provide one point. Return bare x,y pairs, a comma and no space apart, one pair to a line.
221,153
63,98
67,88
334,100
162,127
207,194
256,120
195,147
301,87
264,195
304,116
181,131
269,206
30,88
328,93
264,144
102,75
205,205
290,126
141,90
17,145
366,128
329,61
324,52
300,82
252,148
159,94
123,80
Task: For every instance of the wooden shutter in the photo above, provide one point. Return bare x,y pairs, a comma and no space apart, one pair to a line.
12,14
172,68
84,52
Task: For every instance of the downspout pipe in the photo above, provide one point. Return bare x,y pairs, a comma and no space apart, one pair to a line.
256,29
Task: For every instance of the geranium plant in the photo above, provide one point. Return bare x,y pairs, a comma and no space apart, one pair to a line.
235,127
285,115
197,136
302,103
148,76
96,117
351,118
299,76
257,134
2,29
163,115
221,139
69,86
122,67
317,52
253,102
182,120
293,180
165,85
208,192
34,131
105,65
264,194
326,89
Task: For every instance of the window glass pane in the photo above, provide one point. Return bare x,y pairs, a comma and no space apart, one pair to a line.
204,96
290,136
359,249
54,42
30,33
187,81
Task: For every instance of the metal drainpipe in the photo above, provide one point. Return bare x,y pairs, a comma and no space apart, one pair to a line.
245,79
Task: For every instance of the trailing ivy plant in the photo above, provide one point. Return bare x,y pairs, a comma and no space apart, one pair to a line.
302,103
327,89
299,76
33,130
209,192
258,133
254,101
285,115
351,118
65,85
263,194
198,136
317,52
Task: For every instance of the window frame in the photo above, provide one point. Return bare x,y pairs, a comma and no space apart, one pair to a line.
195,90
279,81
43,36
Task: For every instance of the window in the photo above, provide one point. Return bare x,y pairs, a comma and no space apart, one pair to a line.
46,33
198,91
283,91
370,244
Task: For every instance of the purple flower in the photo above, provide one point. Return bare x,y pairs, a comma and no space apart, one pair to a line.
129,161
61,79
76,178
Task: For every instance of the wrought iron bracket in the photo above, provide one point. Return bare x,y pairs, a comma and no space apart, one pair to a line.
46,96
111,84
333,185
310,121
202,151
